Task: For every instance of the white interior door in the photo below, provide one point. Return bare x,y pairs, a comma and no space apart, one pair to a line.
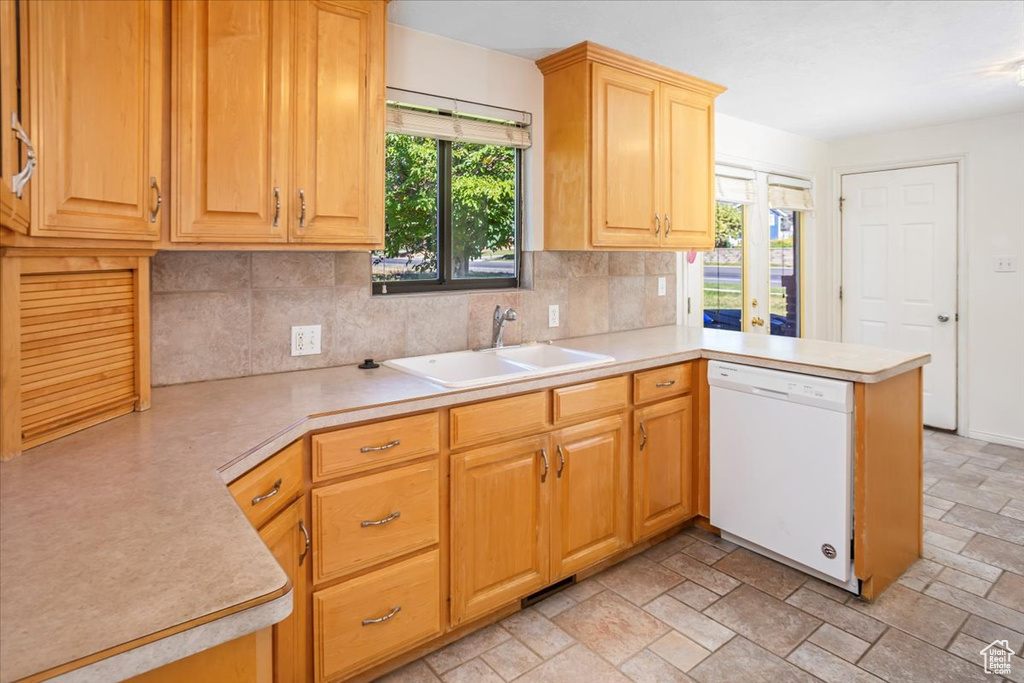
900,272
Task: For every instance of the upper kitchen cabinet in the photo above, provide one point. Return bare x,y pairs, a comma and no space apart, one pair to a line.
16,152
278,120
628,153
97,81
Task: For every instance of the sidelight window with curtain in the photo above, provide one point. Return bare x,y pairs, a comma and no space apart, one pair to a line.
453,196
788,198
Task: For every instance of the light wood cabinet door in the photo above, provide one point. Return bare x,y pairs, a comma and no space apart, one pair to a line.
590,506
97,111
662,466
687,168
285,536
499,525
338,187
14,208
625,159
244,660
231,118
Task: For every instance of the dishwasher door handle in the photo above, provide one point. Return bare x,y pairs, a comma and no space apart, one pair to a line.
771,393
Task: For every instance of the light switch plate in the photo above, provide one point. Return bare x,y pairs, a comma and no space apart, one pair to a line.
661,286
305,340
553,315
1006,264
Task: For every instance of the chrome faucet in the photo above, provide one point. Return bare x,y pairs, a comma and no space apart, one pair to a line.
498,328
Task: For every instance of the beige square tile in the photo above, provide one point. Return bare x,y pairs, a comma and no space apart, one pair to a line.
761,572
534,304
898,657
638,579
415,672
588,306
200,271
367,326
352,268
1008,591
511,659
962,600
708,554
610,626
274,269
828,667
550,265
627,263
765,620
837,614
839,642
660,263
481,318
915,613
660,310
742,660
570,665
473,671
199,336
647,667
691,623
586,264
678,650
436,323
466,648
699,572
696,596
626,299
274,312
537,632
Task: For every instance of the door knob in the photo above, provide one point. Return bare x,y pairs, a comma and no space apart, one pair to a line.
943,318
756,321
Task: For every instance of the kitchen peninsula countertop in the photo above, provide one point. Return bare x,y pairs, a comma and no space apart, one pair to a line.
114,537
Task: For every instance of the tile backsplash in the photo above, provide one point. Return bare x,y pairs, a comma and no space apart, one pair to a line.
229,314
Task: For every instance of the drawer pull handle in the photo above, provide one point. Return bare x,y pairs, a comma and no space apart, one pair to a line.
269,494
561,461
381,620
544,457
643,433
305,550
380,522
662,385
385,447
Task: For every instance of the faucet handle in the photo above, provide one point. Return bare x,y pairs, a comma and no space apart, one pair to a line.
510,314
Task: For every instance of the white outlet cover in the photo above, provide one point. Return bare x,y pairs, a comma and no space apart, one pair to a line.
305,340
661,286
1006,264
553,315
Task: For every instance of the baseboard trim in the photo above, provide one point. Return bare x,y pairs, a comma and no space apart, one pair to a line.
1001,439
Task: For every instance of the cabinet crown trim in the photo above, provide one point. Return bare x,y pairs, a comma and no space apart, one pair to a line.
588,51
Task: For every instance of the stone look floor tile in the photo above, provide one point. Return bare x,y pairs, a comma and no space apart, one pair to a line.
938,502
828,667
994,552
699,572
583,590
763,619
570,666
898,658
473,671
1004,616
640,580
988,523
555,605
838,642
415,672
1009,591
761,572
679,651
971,584
693,594
985,630
917,614
668,547
648,667
511,659
691,623
465,649
920,574
828,590
708,554
742,660
977,498
537,632
969,649
964,562
710,538
1005,451
610,626
840,616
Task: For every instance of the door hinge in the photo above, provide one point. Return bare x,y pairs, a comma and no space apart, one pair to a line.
840,292
841,200
689,309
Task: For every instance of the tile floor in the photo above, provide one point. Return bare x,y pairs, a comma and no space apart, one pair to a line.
697,608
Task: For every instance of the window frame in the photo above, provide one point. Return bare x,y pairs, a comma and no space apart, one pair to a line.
445,282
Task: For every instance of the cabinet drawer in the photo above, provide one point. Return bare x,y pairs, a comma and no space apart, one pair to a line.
350,621
584,401
268,488
364,521
652,385
357,449
503,418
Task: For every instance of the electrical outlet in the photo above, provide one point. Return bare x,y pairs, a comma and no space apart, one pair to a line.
661,286
553,315
305,340
1006,264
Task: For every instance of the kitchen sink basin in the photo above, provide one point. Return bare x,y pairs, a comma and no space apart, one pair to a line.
461,369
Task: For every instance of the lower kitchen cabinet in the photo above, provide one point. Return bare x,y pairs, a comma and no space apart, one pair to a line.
248,659
373,617
499,525
590,506
287,537
662,466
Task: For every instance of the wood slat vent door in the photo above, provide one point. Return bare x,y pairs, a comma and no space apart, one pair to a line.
78,353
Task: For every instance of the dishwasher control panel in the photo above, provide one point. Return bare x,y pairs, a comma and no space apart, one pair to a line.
822,392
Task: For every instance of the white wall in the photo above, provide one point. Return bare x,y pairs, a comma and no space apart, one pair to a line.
439,66
993,313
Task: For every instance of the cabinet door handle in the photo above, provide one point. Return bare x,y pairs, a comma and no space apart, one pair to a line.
381,522
277,206
159,199
302,208
381,620
305,550
20,179
662,385
386,447
561,461
668,225
657,223
544,457
269,494
643,433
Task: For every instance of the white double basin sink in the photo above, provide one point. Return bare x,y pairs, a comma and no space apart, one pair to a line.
462,369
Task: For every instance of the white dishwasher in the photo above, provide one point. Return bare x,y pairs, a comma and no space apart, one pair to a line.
782,467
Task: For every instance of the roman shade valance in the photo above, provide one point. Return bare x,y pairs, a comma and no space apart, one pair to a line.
456,127
733,184
785,192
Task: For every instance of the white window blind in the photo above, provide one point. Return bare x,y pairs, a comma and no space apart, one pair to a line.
734,185
789,193
456,127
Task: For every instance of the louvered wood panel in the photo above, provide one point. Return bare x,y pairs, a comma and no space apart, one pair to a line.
77,351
